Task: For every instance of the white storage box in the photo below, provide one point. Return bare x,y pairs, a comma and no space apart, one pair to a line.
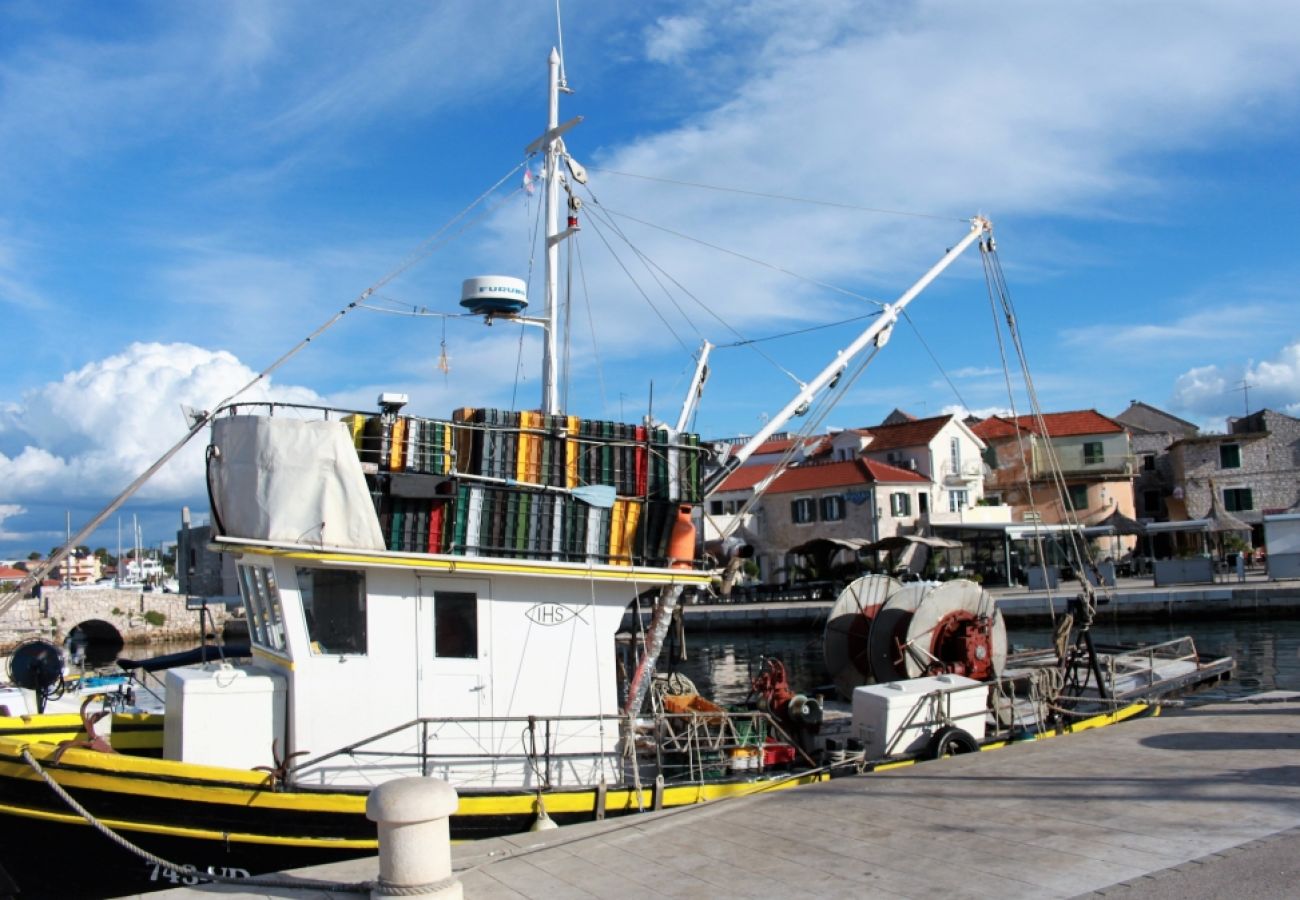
883,713
224,716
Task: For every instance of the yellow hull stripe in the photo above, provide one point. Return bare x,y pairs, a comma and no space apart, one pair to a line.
134,776
475,565
196,833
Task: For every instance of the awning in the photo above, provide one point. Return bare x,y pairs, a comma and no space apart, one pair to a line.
823,545
901,541
1121,523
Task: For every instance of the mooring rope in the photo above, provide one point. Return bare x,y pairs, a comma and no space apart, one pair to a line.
363,887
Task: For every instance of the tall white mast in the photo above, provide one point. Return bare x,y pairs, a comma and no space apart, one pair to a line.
550,358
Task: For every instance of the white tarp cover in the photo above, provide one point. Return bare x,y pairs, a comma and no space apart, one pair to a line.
282,479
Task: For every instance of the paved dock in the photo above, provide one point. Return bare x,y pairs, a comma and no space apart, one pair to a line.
1203,802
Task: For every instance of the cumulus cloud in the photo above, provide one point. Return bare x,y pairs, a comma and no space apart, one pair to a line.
1210,393
89,434
672,37
7,512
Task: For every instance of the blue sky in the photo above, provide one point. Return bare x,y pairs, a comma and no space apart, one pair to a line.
186,190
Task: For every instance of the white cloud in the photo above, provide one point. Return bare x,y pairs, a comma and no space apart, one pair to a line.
672,37
956,409
1202,328
90,434
1212,392
9,511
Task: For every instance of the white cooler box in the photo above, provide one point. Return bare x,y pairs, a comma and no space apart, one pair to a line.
224,716
880,712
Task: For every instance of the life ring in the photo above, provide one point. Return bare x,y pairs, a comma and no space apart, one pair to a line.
949,741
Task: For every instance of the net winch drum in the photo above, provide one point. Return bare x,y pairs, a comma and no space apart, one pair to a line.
494,295
844,640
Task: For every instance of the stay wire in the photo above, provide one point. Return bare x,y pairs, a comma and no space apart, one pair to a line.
938,365
990,282
599,212
604,240
758,262
785,197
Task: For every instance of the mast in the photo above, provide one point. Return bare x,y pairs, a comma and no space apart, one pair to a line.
692,399
550,357
878,333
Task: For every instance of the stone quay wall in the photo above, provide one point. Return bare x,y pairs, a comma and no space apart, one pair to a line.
140,616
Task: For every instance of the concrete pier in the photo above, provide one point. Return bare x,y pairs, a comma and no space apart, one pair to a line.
1203,802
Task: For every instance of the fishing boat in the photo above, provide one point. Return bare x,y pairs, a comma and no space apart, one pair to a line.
440,597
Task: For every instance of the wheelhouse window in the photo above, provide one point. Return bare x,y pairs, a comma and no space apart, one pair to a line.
832,508
1238,499
1093,453
262,602
455,625
334,604
1230,456
803,510
900,504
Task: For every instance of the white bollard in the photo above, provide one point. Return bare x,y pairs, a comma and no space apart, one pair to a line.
414,837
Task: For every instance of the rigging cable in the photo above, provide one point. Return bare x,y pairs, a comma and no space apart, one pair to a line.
600,211
938,365
751,193
639,289
989,281
758,262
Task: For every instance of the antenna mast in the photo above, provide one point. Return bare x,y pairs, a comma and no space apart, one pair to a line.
550,391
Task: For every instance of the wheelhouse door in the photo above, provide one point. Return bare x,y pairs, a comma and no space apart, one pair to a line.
453,669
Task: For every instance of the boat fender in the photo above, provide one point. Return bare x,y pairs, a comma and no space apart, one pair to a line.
949,741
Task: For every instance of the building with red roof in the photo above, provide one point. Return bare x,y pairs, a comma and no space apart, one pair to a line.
1091,450
857,484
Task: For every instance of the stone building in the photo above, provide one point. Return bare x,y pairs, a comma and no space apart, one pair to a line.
1254,468
1151,432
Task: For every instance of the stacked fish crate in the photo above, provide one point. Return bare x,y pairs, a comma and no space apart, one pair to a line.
509,484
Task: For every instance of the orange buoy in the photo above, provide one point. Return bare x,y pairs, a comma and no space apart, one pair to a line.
681,543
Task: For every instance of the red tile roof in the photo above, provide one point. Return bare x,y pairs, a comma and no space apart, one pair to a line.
745,477
1062,424
885,473
839,474
995,427
8,574
905,434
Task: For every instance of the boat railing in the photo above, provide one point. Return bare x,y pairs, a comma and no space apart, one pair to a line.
1144,660
552,751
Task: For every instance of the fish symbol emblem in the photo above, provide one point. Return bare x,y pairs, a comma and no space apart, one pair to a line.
552,614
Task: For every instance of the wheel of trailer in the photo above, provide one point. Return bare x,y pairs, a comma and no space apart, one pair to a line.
848,626
889,631
938,629
950,741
